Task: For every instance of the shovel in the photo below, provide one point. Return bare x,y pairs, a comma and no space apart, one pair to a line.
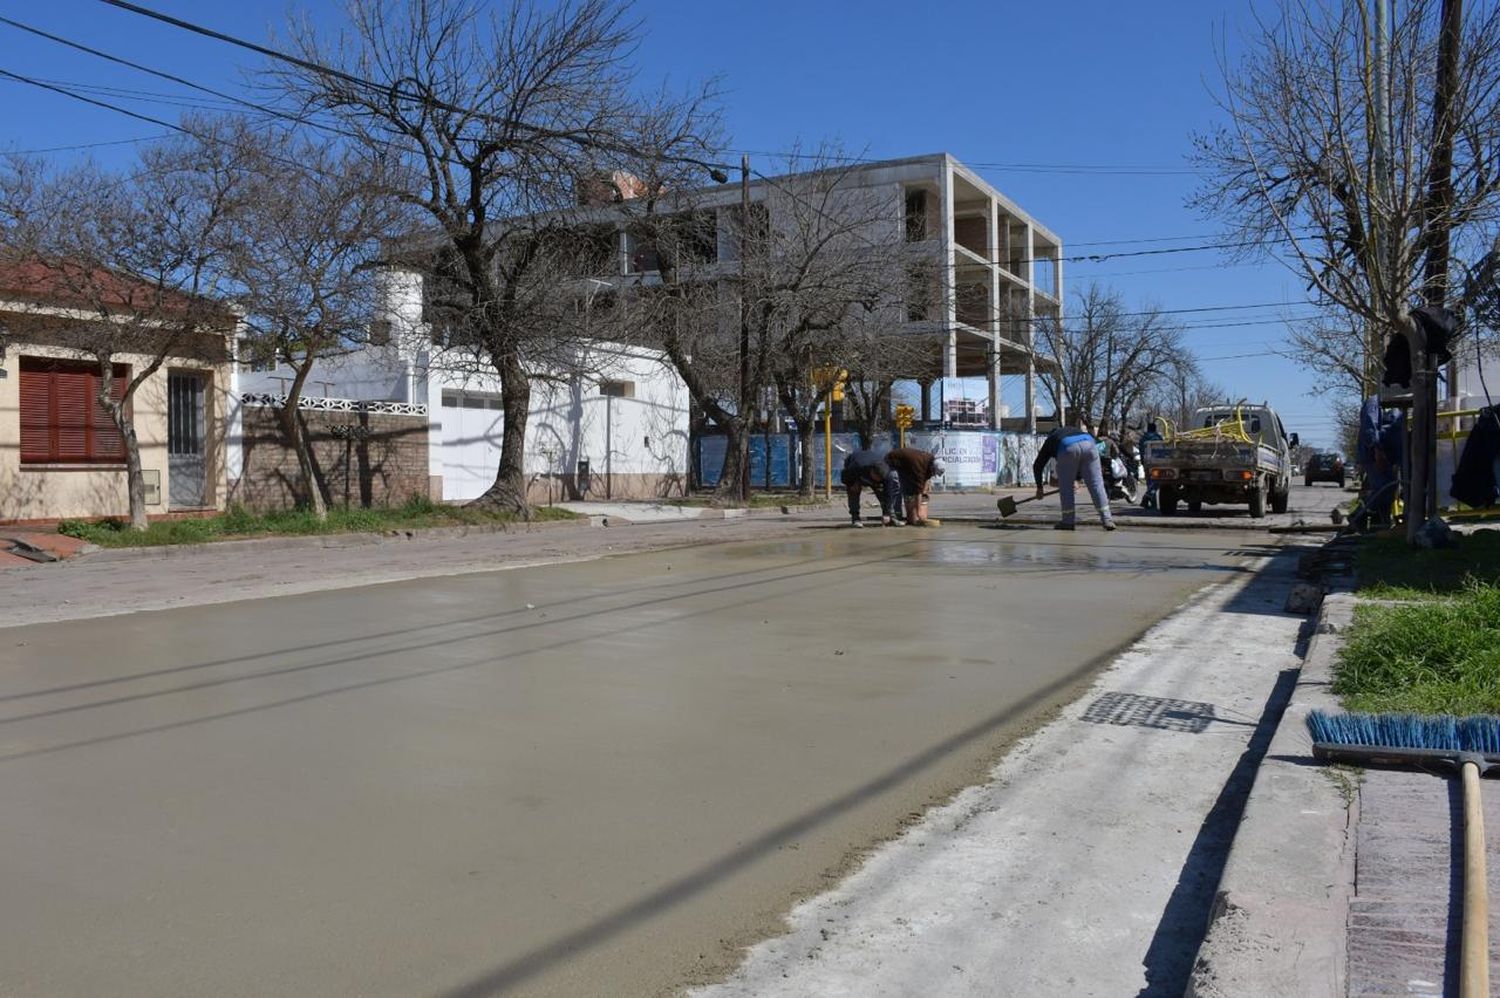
1008,504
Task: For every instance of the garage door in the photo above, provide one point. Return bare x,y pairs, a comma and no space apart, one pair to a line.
471,443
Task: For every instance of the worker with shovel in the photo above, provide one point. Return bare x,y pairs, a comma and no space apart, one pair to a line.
916,469
1077,455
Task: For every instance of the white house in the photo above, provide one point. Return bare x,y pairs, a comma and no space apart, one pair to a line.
619,431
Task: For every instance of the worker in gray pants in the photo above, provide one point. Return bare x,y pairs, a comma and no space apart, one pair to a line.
1077,455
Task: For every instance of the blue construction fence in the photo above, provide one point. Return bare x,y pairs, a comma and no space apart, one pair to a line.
975,458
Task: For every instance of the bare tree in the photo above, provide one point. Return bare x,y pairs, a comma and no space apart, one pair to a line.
496,116
139,256
1113,360
767,320
1334,159
307,230
1180,394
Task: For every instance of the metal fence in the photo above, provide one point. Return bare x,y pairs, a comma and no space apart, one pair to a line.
975,458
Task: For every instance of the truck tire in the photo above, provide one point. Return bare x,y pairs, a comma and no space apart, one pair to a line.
1281,498
1166,498
1258,501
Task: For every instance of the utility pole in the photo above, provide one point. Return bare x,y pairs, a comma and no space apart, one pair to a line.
745,328
1383,273
1437,221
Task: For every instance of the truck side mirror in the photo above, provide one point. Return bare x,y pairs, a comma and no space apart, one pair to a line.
1292,440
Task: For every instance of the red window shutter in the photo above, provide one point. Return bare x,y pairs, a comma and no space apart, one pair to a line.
72,393
62,420
36,416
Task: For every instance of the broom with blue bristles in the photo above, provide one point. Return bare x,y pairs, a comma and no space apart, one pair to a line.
1469,744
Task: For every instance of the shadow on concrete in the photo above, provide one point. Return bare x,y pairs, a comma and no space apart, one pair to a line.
1161,713
515,972
1174,947
1453,938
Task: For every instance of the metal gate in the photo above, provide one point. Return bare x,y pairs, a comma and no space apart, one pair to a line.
186,440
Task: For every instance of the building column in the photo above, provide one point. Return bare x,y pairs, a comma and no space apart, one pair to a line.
926,387
1030,249
950,275
997,313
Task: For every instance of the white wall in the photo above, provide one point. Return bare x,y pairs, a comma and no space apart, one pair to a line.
569,421
1470,387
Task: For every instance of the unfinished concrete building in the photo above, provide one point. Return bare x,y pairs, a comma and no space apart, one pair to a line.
1004,274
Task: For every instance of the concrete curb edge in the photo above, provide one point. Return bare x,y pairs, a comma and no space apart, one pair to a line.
1280,916
323,541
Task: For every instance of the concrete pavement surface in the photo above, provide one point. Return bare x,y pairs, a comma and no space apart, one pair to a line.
134,580
598,778
1088,862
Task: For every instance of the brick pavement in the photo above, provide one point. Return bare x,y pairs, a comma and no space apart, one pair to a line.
1404,917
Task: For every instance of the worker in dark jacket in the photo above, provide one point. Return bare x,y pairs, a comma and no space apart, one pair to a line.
1381,442
916,468
1077,455
867,469
1476,481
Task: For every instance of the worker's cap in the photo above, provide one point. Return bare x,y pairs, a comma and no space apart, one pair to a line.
938,467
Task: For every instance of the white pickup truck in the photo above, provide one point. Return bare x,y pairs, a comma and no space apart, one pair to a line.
1233,453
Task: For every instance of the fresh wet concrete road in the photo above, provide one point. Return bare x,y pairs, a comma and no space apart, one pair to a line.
582,779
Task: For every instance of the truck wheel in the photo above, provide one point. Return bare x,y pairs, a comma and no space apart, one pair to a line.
1281,499
1258,501
1166,498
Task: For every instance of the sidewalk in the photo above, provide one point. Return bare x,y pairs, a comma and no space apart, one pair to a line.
1087,863
1341,881
126,580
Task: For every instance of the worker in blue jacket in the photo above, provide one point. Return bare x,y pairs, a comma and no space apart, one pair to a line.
1077,455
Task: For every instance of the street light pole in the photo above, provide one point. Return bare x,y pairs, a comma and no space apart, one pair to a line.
744,455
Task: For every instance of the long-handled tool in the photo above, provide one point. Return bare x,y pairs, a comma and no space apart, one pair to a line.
1007,504
1472,746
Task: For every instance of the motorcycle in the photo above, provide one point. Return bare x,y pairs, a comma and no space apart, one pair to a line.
1123,475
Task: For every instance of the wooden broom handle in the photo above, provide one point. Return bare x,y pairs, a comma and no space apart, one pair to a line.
1475,960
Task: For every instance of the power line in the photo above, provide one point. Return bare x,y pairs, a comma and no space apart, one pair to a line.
84,145
396,90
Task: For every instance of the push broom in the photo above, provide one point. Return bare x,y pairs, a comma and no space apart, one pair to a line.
1471,745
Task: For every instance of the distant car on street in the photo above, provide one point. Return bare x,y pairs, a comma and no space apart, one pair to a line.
1324,468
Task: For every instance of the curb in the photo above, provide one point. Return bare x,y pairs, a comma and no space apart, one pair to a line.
323,541
1280,915
1148,522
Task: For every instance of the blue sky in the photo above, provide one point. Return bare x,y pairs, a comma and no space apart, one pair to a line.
1105,93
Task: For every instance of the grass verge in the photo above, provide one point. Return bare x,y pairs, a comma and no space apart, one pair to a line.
1386,567
239,523
1440,655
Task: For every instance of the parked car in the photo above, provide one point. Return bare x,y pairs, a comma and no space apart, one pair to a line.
1324,468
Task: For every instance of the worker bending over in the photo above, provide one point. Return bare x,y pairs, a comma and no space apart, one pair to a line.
916,469
867,469
1077,455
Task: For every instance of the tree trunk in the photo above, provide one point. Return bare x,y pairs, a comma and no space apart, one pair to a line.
296,435
730,490
508,494
135,480
804,445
